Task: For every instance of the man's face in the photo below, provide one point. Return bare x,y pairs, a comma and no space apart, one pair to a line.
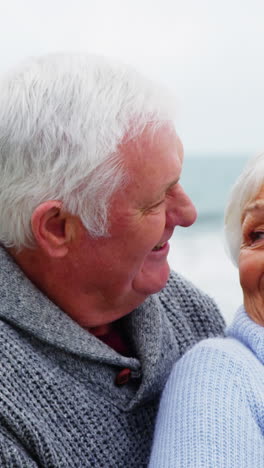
251,258
132,263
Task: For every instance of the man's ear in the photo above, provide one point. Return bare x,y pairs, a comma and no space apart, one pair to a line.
52,228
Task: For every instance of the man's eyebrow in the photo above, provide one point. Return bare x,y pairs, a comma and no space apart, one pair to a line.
168,187
171,184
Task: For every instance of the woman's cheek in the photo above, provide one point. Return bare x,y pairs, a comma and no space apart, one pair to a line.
249,270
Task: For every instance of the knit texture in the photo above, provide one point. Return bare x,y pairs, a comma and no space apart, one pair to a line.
59,405
212,409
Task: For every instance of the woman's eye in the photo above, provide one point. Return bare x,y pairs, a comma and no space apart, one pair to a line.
256,236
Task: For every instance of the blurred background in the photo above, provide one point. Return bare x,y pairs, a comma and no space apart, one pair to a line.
210,54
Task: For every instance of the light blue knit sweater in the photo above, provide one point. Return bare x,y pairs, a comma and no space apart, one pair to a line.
212,409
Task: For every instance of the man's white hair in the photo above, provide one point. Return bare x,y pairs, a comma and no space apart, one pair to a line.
244,191
62,119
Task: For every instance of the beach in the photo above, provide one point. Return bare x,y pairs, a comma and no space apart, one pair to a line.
201,257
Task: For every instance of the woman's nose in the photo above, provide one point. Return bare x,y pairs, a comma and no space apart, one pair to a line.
180,210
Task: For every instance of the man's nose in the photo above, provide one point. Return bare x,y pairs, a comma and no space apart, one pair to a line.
181,210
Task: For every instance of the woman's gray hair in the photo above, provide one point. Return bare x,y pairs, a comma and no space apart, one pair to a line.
244,191
62,119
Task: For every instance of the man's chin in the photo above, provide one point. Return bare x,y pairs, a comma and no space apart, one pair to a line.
151,280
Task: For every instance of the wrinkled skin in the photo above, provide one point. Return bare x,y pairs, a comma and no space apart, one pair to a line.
96,281
251,259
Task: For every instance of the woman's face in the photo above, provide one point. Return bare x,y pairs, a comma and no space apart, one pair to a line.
251,258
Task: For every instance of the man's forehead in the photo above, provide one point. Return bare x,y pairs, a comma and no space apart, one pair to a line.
163,140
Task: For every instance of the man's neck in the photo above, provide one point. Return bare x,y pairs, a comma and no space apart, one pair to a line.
86,305
101,330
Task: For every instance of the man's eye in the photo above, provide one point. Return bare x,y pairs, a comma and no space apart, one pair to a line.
157,205
256,236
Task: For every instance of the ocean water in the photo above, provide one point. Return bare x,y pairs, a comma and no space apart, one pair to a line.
198,251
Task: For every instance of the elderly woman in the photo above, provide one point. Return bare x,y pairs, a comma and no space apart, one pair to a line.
91,319
212,409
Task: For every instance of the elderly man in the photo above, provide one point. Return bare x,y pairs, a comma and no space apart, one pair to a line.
92,320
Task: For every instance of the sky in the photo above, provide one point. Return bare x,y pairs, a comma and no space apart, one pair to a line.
209,53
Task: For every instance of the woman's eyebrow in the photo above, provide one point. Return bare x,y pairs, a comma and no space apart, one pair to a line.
257,205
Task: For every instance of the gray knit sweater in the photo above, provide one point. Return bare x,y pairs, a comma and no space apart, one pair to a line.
59,405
